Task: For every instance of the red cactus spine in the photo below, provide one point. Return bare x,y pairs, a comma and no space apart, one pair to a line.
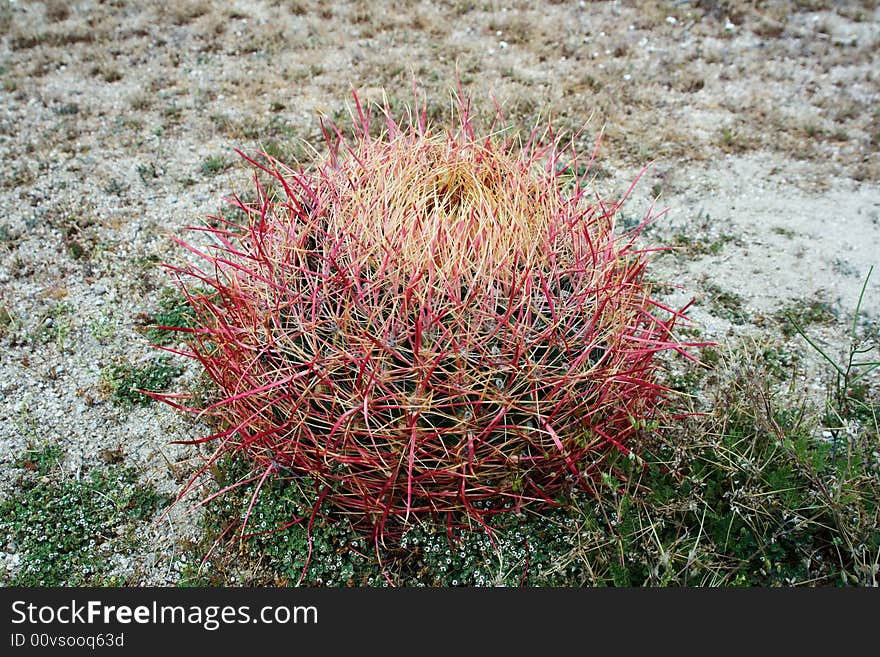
427,324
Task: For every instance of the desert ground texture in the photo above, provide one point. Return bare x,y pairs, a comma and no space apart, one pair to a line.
758,122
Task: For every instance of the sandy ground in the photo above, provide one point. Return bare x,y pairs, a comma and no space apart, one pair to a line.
760,121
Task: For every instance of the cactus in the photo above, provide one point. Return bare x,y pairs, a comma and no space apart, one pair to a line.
427,323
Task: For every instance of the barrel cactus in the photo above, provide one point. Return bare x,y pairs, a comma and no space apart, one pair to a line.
427,323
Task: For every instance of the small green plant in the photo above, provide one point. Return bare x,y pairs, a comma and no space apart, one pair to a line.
172,112
727,137
851,492
779,361
725,304
784,232
849,371
115,187
111,75
174,313
65,529
103,328
126,381
700,246
147,172
55,325
68,109
799,314
75,249
213,165
6,320
41,460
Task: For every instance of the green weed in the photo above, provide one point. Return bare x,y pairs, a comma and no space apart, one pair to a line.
126,381
725,304
65,529
803,313
174,311
213,165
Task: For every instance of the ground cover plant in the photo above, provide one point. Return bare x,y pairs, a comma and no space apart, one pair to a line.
69,528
